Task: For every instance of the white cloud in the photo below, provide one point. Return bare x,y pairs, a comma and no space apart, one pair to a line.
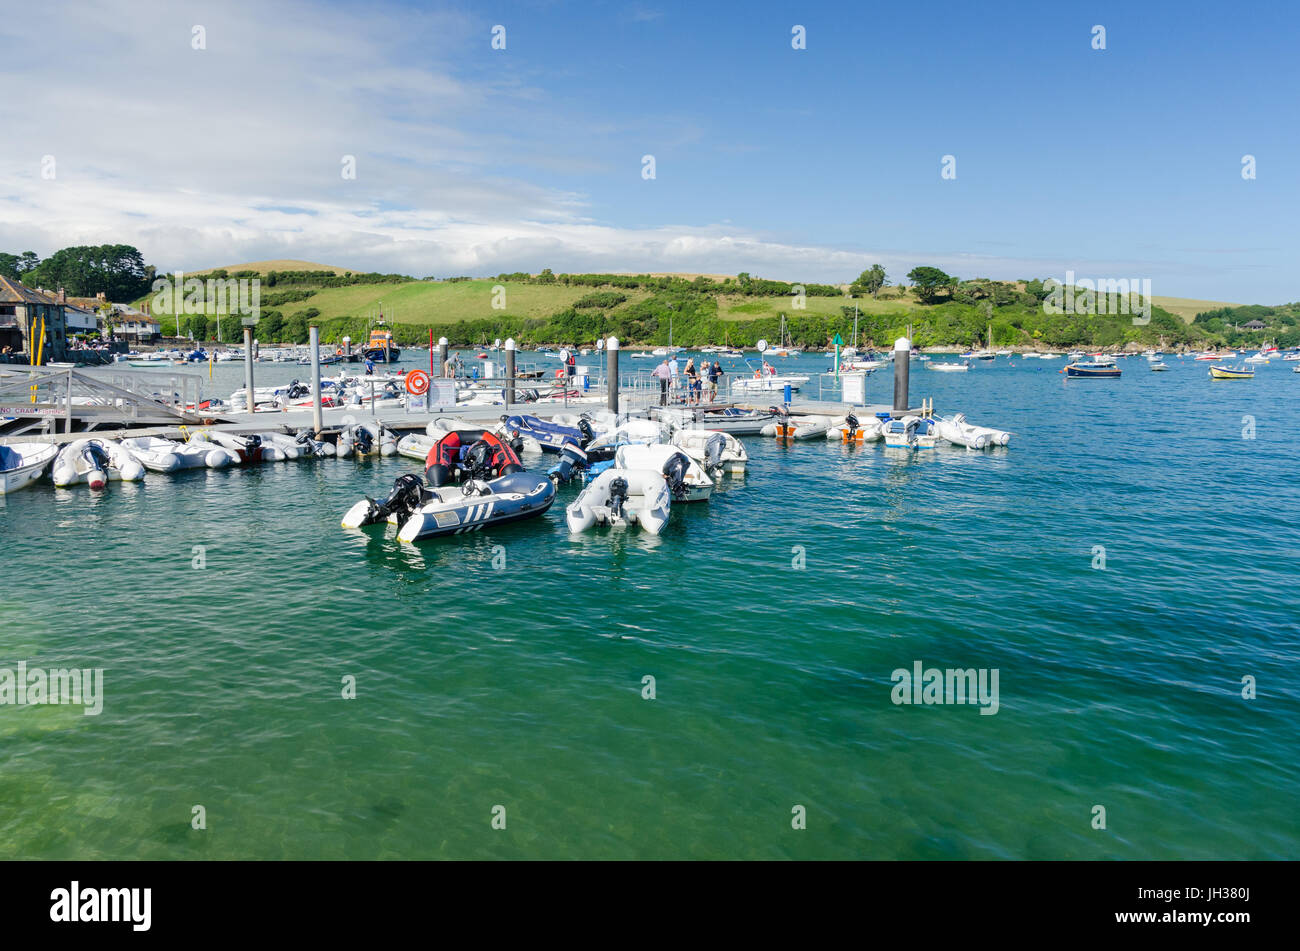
194,155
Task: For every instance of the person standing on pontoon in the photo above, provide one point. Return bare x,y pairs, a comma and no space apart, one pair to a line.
664,375
692,378
715,375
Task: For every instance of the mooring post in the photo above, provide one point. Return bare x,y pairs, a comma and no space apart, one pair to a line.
611,375
902,367
442,356
317,421
510,371
248,369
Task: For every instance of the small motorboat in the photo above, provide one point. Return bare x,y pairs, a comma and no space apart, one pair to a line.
768,383
910,432
1158,365
95,462
23,463
851,430
716,452
494,488
686,478
730,419
619,497
1099,369
1218,372
949,367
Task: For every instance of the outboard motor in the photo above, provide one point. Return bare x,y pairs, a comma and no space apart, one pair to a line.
588,434
296,390
309,444
253,448
363,441
852,425
713,449
478,460
675,472
572,459
97,459
406,496
617,498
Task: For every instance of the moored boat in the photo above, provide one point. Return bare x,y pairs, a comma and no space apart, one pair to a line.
619,497
94,462
23,463
1231,373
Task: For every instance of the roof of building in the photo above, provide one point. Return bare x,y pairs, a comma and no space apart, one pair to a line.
16,292
1255,325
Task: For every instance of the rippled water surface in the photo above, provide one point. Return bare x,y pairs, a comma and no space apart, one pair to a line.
522,686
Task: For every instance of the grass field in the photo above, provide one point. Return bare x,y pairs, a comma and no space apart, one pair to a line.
442,302
285,264
1186,307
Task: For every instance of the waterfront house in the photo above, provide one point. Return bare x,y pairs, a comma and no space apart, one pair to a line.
23,312
135,326
1254,325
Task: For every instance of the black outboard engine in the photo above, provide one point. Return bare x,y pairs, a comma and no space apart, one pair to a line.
362,441
572,460
96,456
305,439
617,497
588,434
851,423
296,390
478,460
675,472
713,449
406,496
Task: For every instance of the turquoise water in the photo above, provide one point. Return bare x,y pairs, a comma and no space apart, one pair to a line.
521,686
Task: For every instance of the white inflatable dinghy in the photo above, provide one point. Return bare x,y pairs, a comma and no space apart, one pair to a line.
95,462
622,497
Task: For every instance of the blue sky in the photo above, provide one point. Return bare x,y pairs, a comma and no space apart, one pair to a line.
800,164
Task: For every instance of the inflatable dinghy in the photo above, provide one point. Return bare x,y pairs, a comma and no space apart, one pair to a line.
622,497
156,455
686,479
797,427
849,429
910,432
366,439
717,452
94,462
494,489
960,433
550,436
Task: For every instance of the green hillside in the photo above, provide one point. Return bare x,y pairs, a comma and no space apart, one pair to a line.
640,309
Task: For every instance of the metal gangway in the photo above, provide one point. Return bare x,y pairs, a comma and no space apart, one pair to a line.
37,399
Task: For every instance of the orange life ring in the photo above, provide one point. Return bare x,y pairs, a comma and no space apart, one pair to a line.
559,374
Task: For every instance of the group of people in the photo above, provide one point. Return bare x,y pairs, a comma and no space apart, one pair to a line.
696,377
